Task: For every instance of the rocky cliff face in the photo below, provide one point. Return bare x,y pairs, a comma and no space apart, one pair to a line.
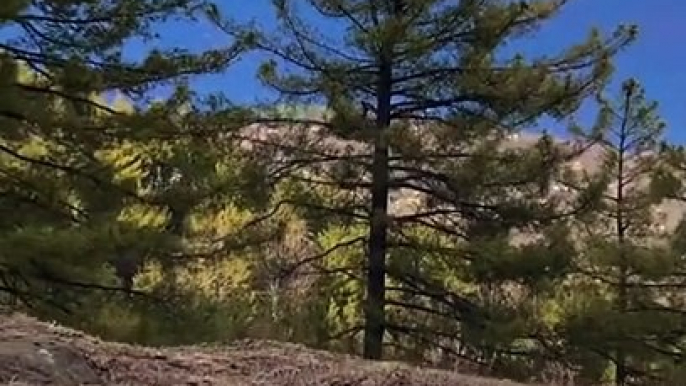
36,353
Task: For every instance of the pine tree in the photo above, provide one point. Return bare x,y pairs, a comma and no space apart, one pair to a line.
422,84
626,308
79,167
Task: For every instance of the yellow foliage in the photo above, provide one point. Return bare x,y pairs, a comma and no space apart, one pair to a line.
150,276
219,222
143,216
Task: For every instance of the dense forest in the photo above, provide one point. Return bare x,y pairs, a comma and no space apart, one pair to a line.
398,198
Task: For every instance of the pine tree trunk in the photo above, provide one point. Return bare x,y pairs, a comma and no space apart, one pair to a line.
376,271
622,297
375,317
621,365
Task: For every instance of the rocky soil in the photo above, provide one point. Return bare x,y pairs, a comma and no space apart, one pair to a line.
36,353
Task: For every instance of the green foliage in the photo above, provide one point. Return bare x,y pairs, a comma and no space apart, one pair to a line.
90,191
154,222
430,101
628,271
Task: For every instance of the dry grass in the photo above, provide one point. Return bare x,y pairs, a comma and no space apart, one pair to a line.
35,353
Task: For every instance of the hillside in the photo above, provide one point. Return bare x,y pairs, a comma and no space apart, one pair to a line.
284,144
36,353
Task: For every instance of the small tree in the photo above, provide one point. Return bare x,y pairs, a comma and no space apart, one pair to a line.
625,309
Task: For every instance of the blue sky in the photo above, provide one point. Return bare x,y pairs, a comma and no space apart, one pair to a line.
657,58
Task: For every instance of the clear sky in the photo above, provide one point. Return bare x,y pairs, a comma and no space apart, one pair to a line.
657,58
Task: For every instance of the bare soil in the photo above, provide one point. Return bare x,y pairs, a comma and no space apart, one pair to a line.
36,353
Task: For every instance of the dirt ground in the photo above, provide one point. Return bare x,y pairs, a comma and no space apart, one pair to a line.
35,353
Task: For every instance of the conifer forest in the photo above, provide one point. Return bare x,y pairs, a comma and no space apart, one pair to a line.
407,188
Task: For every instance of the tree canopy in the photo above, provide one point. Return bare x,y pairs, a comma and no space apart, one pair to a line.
400,198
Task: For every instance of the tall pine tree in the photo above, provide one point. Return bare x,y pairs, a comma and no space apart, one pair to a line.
426,87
